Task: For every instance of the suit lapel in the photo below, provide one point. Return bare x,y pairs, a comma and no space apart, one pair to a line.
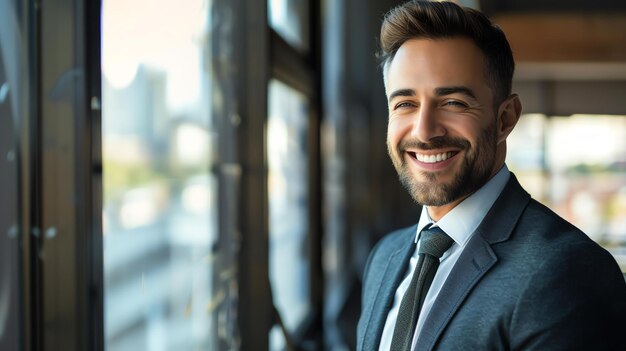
476,260
388,283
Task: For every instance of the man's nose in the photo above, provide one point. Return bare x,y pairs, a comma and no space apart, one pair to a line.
427,125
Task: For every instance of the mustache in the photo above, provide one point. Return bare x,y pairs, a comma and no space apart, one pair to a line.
435,143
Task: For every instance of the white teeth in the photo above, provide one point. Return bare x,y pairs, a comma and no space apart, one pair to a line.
433,158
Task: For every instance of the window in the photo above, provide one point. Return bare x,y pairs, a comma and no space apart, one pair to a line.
160,195
292,152
142,145
289,247
290,19
577,166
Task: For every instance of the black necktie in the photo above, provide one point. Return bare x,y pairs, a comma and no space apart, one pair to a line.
433,243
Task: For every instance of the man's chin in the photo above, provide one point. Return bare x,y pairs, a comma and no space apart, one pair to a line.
430,192
433,197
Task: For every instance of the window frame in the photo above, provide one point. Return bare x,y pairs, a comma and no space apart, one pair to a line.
61,179
300,70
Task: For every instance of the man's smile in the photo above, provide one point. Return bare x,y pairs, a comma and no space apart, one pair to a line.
432,160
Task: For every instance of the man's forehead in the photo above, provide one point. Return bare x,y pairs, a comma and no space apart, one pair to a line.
437,62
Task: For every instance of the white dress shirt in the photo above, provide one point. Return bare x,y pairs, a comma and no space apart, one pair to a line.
460,224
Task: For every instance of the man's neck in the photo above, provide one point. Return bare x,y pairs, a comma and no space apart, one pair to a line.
437,212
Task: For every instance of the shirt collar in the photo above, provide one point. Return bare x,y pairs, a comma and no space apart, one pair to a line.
463,219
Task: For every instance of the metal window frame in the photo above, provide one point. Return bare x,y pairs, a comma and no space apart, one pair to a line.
252,53
14,76
262,54
61,179
301,71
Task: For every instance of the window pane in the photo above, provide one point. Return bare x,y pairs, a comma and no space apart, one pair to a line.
576,165
587,160
290,19
526,154
159,195
288,157
13,83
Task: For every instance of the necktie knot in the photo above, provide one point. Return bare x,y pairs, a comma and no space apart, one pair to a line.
434,242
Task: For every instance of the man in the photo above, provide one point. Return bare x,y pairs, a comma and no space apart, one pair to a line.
495,269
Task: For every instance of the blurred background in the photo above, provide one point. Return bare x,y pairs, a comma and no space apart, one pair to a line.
211,174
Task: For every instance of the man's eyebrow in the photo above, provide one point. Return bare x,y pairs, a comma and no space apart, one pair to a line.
454,90
401,92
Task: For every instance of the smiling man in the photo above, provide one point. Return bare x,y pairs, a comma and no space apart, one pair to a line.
444,138
486,266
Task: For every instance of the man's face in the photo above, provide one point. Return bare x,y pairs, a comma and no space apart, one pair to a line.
442,133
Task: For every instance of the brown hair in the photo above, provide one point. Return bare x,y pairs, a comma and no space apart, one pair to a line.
440,20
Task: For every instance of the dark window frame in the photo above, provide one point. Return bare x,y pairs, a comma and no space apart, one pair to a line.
61,179
301,70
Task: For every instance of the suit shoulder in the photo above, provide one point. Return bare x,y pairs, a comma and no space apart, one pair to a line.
540,219
552,237
395,240
387,246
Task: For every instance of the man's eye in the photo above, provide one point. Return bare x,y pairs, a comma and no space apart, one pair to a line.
454,103
404,105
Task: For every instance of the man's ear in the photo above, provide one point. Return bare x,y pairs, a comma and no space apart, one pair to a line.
508,114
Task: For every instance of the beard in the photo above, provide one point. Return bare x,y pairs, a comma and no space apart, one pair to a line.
474,172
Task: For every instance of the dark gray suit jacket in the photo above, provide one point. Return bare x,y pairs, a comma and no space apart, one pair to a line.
527,280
